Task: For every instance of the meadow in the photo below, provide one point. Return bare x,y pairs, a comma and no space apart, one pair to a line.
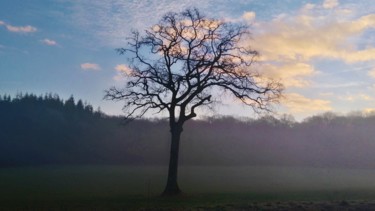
131,187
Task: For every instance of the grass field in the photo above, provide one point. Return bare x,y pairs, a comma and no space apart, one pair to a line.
129,187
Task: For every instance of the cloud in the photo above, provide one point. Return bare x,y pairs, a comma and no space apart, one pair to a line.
309,6
356,98
21,29
290,44
249,16
18,29
122,71
300,104
329,4
111,21
360,56
305,37
90,66
370,111
290,74
345,85
49,42
371,73
326,94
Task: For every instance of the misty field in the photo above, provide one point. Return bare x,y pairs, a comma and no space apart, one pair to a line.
135,187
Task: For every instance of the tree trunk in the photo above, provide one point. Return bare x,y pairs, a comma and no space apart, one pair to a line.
172,188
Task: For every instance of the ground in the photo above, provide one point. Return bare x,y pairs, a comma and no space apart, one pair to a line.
205,188
153,205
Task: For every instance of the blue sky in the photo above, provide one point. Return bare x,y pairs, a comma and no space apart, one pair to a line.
322,50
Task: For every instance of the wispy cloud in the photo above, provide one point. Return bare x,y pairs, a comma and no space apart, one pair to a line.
356,97
291,43
249,16
18,29
329,4
122,71
308,6
371,73
369,111
305,37
49,42
21,29
292,74
345,85
90,66
299,104
112,21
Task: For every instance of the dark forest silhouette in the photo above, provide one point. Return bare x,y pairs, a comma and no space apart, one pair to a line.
39,130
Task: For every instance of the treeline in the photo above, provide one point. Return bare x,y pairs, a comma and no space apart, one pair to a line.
45,129
32,103
40,130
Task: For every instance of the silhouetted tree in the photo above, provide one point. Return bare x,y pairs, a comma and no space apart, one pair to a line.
88,108
69,103
176,66
80,105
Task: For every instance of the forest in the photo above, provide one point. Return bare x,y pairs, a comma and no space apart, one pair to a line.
47,130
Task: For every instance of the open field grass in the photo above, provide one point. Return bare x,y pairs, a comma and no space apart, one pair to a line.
129,187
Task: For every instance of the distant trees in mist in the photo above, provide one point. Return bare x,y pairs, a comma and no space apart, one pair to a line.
51,101
39,130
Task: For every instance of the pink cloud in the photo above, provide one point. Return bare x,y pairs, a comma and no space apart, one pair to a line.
21,29
49,42
90,66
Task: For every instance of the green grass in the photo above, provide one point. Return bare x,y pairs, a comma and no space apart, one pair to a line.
118,187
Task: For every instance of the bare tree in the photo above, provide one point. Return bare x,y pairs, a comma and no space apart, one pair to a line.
176,65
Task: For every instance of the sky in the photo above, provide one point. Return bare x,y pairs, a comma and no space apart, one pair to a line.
323,51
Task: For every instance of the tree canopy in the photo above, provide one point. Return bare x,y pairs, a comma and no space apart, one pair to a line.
176,64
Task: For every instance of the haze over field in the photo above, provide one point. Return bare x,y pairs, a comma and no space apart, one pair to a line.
322,50
191,84
58,154
46,130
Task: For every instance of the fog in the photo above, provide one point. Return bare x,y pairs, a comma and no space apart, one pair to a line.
55,149
48,131
112,181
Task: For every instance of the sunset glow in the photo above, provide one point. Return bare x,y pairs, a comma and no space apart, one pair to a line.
323,51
